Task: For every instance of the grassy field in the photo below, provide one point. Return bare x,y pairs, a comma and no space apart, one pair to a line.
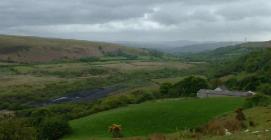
162,116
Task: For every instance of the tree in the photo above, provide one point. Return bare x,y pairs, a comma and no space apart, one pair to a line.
232,83
48,125
53,128
190,86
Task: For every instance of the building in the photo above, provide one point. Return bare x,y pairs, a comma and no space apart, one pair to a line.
220,92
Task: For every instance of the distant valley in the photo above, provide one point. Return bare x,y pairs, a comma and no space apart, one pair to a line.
180,47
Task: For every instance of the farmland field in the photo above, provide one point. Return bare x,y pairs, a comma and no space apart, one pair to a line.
161,116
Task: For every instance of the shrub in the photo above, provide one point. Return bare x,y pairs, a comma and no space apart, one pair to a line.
53,128
48,125
115,130
115,101
89,59
265,89
141,96
189,86
224,125
240,115
218,127
12,128
37,116
164,88
250,82
232,83
257,100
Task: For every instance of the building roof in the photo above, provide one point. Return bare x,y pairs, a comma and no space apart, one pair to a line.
224,92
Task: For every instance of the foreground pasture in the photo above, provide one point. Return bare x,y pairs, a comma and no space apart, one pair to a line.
161,116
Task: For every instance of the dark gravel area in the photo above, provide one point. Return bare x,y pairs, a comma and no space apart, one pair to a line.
82,96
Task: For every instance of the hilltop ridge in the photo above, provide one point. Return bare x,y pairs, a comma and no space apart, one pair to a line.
36,49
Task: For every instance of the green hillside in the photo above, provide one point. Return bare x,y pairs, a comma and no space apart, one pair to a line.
249,72
162,116
34,49
228,53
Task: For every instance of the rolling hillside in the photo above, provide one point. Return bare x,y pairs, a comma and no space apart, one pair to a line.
161,116
179,47
202,47
249,72
229,52
34,49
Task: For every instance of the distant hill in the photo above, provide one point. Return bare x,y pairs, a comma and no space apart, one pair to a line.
34,49
196,48
229,52
159,45
179,47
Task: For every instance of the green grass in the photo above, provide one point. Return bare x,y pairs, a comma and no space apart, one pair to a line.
162,116
259,115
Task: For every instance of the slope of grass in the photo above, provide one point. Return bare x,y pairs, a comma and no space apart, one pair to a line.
260,131
228,53
161,116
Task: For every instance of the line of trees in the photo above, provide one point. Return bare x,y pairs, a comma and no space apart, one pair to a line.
188,87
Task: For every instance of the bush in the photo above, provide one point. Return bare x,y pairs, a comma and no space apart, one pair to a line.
164,88
115,101
189,86
89,59
257,100
37,116
251,82
142,96
48,125
218,126
265,89
53,128
16,129
115,130
232,83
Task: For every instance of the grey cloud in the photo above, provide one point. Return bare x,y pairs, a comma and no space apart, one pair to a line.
178,13
249,9
65,13
137,19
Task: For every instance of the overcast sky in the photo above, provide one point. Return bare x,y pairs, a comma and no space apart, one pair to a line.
138,20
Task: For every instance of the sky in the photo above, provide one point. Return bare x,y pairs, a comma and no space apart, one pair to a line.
138,20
